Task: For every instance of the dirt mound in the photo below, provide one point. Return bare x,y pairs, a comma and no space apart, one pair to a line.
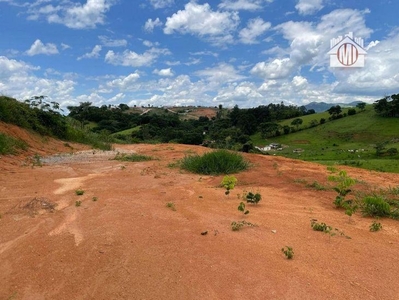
37,145
125,242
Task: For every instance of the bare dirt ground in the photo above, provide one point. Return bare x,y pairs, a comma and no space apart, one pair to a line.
129,245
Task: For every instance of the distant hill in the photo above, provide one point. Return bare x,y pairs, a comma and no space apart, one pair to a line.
323,106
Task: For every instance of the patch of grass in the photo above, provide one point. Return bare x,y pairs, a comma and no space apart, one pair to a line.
78,203
375,206
132,157
330,143
215,163
10,145
317,186
94,199
300,180
79,192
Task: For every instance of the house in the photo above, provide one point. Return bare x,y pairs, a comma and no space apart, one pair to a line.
266,148
275,145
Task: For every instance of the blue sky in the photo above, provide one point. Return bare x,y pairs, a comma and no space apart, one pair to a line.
175,52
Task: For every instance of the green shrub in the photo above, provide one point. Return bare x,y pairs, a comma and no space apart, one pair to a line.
215,163
375,206
79,192
253,198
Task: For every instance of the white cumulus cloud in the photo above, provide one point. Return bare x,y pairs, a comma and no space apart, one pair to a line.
201,20
275,69
164,72
161,3
308,7
95,53
133,59
151,24
39,48
255,28
108,42
250,5
73,15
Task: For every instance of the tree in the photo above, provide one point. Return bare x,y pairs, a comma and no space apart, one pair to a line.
286,129
361,106
335,111
351,111
314,123
380,148
296,122
388,106
268,129
234,115
123,106
80,112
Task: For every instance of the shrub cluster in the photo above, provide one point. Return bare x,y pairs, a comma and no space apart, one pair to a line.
215,163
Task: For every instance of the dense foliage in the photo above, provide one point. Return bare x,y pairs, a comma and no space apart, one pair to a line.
35,114
45,118
228,129
388,106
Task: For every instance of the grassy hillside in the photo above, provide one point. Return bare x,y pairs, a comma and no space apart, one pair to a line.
350,140
44,121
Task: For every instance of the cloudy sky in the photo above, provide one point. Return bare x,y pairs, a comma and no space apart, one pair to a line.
198,52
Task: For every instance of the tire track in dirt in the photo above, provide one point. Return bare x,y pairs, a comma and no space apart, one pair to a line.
69,226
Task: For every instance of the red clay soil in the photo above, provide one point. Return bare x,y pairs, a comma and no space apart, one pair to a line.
129,245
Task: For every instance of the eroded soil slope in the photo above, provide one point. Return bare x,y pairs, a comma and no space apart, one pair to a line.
129,245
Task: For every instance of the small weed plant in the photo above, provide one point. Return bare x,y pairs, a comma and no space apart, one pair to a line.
323,227
375,226
241,208
288,252
236,226
79,192
344,182
171,205
317,186
229,183
253,198
78,203
94,199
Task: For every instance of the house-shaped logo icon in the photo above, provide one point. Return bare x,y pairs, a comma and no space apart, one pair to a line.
347,52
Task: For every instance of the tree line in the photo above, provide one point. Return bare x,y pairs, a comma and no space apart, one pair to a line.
228,129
